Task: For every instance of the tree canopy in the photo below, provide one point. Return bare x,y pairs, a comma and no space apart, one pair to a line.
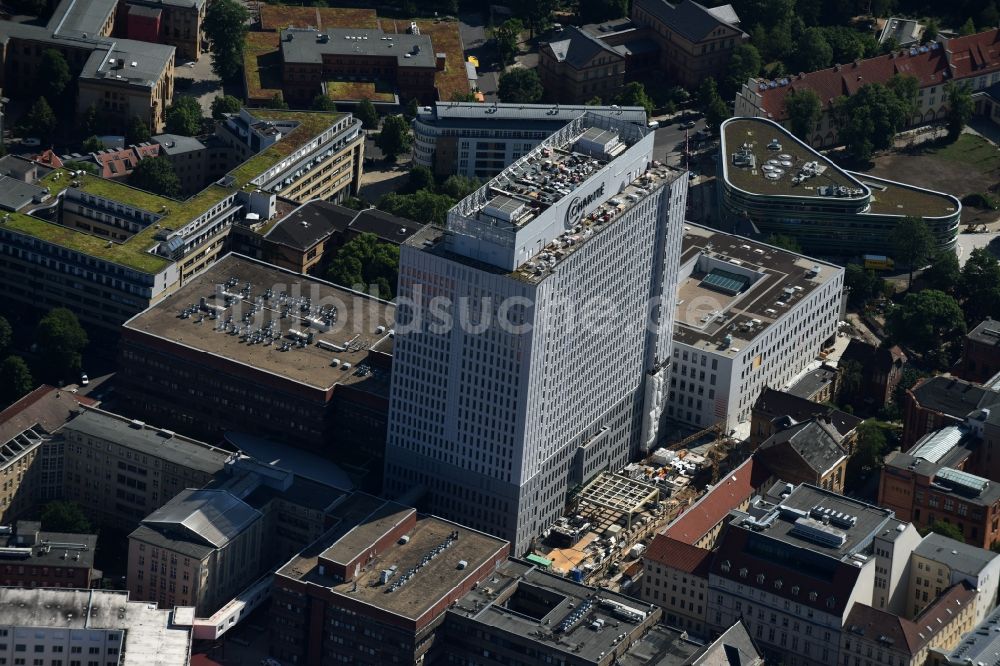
458,187
867,455
62,340
784,242
929,322
65,516
744,62
322,102
394,139
366,113
804,111
226,26
92,144
15,379
137,131
53,77
596,11
869,120
6,334
862,284
947,529
711,104
185,116
912,243
944,273
979,286
634,94
365,261
960,108
507,36
225,104
40,121
423,206
156,174
520,85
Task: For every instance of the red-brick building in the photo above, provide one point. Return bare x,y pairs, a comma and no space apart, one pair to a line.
936,402
981,352
33,558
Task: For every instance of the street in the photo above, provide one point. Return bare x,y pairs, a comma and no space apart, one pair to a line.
472,28
969,242
668,137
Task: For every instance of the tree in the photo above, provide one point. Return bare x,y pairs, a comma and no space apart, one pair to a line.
813,51
944,273
537,13
458,187
137,131
463,96
90,122
365,261
15,379
40,121
596,11
53,76
862,284
367,114
960,108
634,94
6,334
226,27
927,321
912,244
804,111
411,109
507,36
947,529
92,144
156,174
62,340
869,120
423,205
784,242
185,117
225,104
394,138
931,30
322,103
744,63
967,28
520,86
86,167
64,516
867,455
277,102
906,88
421,178
850,376
710,103
594,101
979,285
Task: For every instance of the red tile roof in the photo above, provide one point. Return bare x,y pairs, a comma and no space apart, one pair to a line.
738,487
964,57
49,159
975,55
121,162
46,406
678,555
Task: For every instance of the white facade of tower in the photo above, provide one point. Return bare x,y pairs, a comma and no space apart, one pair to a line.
499,421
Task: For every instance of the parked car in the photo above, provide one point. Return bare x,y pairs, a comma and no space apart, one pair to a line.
31,141
84,379
688,124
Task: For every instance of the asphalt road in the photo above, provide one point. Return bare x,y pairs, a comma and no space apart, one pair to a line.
667,148
472,28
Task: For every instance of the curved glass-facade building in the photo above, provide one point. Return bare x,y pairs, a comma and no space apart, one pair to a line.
781,185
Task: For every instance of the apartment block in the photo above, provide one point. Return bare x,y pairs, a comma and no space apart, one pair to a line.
120,470
199,549
479,141
179,23
775,410
750,316
34,558
938,563
539,237
675,578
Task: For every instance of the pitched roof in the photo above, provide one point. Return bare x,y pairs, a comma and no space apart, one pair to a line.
678,555
213,516
867,355
773,403
688,18
578,48
975,55
387,227
910,636
987,332
122,161
952,396
46,407
814,443
310,223
738,487
735,647
958,556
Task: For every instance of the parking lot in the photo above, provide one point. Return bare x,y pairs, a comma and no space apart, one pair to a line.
205,85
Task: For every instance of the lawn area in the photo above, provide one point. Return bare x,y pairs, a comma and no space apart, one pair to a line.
274,17
969,165
262,66
445,38
358,90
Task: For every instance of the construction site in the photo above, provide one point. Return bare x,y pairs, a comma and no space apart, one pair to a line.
612,518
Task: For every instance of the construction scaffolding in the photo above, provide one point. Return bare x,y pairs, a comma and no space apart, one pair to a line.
609,497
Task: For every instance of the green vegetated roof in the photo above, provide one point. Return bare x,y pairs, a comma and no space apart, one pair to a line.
134,252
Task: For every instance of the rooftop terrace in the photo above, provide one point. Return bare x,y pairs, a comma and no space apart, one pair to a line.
299,328
724,316
135,252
